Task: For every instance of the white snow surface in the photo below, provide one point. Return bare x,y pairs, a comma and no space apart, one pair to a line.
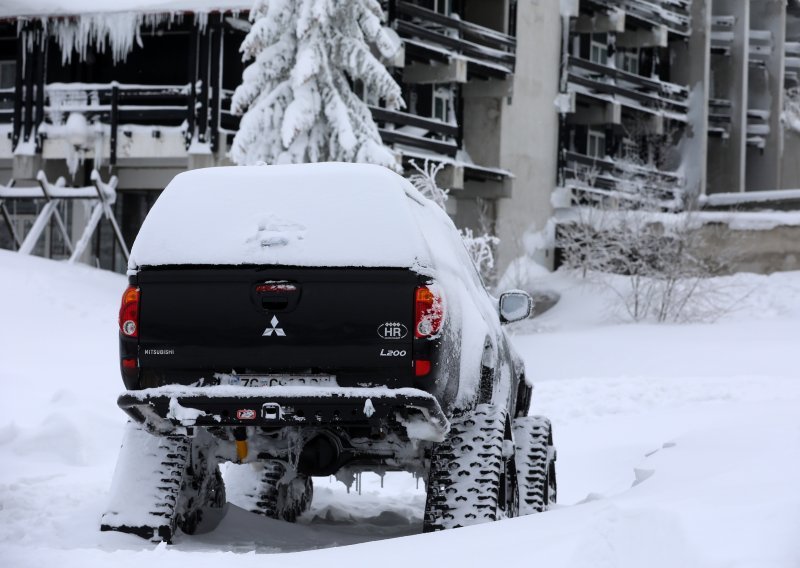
677,445
326,214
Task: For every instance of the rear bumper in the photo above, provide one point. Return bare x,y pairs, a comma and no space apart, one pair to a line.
169,407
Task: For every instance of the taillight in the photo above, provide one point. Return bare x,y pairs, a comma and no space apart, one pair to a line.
129,312
422,367
428,312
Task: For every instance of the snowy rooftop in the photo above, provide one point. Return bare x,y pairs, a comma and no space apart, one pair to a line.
327,214
16,8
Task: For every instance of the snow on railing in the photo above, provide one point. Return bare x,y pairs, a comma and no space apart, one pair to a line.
481,45
652,93
751,198
673,14
761,46
621,175
85,113
722,34
719,117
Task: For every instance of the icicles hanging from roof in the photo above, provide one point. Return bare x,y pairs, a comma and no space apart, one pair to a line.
115,31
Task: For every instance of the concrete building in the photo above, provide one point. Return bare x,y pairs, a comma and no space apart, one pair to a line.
144,95
664,100
530,105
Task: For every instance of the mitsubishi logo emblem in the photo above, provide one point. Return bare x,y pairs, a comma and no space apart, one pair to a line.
274,329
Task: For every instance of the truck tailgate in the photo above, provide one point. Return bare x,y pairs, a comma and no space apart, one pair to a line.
273,320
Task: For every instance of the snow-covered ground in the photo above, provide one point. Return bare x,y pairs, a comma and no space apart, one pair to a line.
678,446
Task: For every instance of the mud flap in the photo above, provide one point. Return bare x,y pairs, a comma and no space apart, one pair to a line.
146,485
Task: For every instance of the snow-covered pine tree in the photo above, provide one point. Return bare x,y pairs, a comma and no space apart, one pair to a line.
296,96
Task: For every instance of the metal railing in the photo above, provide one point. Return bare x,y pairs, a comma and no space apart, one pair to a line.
488,52
673,14
652,94
621,178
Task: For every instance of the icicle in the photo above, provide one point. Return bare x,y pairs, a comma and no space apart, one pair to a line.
201,21
118,31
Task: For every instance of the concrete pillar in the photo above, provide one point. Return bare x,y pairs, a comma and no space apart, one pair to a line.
529,145
691,68
727,159
767,93
481,129
790,171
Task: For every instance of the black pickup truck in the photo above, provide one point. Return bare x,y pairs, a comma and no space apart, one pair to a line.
318,319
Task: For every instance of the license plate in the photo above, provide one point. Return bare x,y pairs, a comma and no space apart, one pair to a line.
278,380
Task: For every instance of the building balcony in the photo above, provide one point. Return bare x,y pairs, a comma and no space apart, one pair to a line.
760,47
117,121
108,119
757,127
633,91
465,49
792,64
722,34
719,118
399,130
674,15
592,179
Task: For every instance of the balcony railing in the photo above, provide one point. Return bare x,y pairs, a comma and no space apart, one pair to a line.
418,132
722,34
673,14
719,117
116,105
112,104
647,94
429,35
395,127
596,178
760,48
792,64
758,128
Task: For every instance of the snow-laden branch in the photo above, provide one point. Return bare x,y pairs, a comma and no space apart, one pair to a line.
296,95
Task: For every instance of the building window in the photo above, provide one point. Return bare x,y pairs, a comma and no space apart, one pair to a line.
596,143
441,104
8,72
598,51
628,60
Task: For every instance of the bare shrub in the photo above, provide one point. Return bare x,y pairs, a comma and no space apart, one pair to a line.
481,247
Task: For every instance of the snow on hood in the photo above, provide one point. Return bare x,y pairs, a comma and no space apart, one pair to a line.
54,8
327,214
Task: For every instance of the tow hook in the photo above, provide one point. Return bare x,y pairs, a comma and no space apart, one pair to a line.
240,435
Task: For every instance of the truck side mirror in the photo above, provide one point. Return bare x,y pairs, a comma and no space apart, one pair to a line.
515,306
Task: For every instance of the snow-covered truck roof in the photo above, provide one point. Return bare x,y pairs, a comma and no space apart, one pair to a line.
56,8
326,214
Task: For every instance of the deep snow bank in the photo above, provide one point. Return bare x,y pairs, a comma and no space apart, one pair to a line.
678,446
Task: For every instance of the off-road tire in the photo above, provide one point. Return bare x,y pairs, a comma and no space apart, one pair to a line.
281,493
472,480
202,502
148,489
536,463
